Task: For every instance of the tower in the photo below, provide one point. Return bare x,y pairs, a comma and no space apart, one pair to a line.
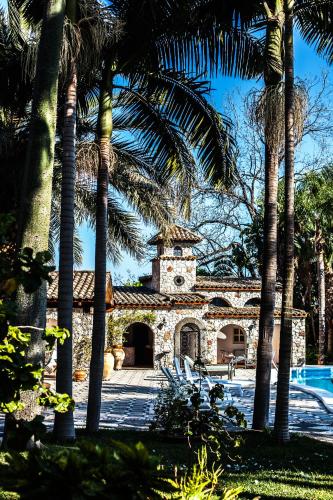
174,267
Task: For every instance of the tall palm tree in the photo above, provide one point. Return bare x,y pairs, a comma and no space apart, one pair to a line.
37,179
281,425
64,422
85,35
167,124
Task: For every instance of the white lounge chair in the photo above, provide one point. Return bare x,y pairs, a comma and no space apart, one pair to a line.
232,386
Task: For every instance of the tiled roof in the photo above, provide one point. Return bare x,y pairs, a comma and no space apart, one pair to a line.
175,233
246,312
126,296
83,286
138,296
227,283
187,298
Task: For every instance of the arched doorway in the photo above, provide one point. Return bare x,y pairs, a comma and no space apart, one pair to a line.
139,345
231,340
190,340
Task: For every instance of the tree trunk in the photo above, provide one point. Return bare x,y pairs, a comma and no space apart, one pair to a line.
282,397
266,320
36,190
64,422
272,75
104,131
321,294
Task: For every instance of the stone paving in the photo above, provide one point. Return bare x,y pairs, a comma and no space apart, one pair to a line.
128,400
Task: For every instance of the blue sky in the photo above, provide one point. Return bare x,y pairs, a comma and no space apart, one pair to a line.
307,64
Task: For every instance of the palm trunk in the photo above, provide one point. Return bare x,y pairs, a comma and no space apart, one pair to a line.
36,192
64,422
321,294
266,321
282,396
98,335
272,75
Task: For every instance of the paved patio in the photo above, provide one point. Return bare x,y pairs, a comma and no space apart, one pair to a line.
128,400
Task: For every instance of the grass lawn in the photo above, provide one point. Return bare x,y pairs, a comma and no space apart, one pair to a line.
301,470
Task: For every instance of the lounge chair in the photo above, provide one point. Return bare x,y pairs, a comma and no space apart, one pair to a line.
206,383
232,386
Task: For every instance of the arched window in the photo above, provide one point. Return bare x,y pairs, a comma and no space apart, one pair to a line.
177,251
254,302
220,302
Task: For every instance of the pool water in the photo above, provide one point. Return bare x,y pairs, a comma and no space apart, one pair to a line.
314,376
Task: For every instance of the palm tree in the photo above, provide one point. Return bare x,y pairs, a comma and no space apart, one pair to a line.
36,189
281,425
64,422
166,123
82,43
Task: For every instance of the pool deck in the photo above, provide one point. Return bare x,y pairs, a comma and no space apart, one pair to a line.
128,403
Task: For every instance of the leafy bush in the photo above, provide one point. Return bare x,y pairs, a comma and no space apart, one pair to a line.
178,412
201,483
117,472
21,268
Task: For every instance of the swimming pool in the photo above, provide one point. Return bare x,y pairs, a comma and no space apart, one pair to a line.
314,376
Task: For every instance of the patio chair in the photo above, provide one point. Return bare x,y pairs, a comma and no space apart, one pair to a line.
234,387
208,383
179,372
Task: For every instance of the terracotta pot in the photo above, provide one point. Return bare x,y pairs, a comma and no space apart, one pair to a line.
108,365
79,375
119,356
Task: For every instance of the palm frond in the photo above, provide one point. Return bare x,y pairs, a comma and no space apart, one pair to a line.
314,19
182,101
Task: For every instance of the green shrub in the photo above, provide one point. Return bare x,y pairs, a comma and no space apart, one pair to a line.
118,472
177,412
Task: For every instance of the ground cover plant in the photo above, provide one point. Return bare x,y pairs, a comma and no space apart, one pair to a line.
299,470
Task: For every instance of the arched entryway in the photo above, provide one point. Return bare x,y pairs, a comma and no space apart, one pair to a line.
139,345
190,340
231,340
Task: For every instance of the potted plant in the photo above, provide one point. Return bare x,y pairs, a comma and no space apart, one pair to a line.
115,340
81,358
108,364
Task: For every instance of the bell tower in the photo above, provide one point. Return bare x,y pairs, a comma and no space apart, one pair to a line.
174,269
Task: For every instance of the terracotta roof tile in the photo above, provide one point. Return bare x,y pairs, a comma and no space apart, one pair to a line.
138,296
83,284
144,296
228,283
175,233
188,298
246,312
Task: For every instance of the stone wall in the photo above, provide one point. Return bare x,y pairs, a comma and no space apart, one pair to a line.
82,326
237,299
165,270
168,324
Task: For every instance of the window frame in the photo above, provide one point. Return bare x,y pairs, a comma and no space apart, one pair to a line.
238,335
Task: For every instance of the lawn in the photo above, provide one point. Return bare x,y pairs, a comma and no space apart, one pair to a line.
303,469
300,470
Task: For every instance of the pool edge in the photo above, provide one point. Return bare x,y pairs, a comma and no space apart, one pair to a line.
323,396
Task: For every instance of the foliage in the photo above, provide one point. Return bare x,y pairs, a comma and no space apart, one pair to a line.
201,483
17,375
178,412
87,471
82,352
117,326
22,268
116,471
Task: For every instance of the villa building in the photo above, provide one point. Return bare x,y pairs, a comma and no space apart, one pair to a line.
194,314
